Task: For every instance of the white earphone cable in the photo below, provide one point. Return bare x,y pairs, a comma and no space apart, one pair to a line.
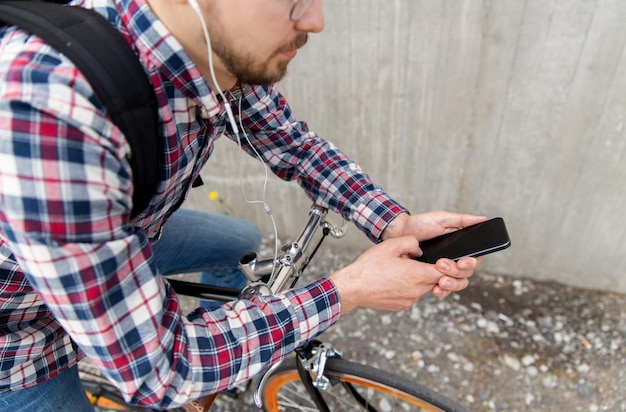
266,205
233,124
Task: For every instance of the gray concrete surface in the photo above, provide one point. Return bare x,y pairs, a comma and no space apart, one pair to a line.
505,108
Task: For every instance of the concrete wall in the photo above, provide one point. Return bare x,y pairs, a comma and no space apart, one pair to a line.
506,108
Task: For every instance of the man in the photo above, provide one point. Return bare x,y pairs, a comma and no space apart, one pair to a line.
79,277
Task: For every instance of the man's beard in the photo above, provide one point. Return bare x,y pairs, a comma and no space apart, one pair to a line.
246,70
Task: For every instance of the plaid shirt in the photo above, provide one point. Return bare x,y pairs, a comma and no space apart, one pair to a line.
77,275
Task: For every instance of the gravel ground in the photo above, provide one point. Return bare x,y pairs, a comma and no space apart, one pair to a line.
503,344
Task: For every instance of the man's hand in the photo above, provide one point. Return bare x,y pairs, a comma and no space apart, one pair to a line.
386,277
432,224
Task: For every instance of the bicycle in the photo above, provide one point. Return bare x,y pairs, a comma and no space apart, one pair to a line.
317,378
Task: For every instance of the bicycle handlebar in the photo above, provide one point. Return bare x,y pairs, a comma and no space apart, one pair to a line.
270,276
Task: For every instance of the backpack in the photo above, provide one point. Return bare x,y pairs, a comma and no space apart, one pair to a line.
112,69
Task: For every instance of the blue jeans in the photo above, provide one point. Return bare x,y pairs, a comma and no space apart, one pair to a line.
63,393
192,241
209,243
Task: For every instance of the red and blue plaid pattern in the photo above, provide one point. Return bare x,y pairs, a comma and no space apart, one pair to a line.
76,273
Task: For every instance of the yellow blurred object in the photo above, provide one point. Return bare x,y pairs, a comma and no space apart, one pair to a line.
214,195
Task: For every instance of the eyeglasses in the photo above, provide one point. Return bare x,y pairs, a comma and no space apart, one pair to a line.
298,9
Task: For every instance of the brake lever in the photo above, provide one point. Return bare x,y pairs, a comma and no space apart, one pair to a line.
337,232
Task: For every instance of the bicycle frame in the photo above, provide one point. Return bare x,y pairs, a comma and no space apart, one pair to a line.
272,275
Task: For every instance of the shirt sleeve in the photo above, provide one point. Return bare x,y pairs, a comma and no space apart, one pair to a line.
326,174
64,212
101,284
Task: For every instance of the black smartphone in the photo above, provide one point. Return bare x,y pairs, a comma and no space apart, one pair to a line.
476,240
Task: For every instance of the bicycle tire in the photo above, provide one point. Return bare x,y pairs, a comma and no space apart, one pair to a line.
283,391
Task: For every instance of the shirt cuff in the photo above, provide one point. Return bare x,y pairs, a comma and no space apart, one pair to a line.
374,213
316,307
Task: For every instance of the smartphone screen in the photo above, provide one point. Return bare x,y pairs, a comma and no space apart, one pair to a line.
476,240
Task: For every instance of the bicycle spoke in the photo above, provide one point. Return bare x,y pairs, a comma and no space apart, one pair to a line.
296,390
292,399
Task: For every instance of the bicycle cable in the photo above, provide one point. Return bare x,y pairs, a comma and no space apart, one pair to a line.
325,232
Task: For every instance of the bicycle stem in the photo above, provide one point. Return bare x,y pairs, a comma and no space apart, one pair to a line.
296,254
286,268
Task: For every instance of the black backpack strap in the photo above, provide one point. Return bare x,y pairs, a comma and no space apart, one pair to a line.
114,72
